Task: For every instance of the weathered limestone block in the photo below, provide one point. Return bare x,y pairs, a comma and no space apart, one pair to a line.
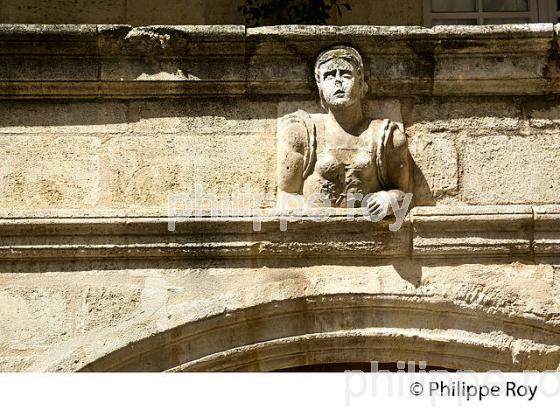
17,361
478,116
104,306
43,39
59,68
50,152
439,128
437,175
60,306
118,60
204,116
450,139
184,58
133,154
143,171
505,169
464,62
34,316
173,146
42,171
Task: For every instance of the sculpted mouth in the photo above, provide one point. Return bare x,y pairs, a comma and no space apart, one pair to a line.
339,93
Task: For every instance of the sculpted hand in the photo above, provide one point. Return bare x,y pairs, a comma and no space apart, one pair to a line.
379,205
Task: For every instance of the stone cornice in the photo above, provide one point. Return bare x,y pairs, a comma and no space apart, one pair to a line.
116,61
429,232
209,237
484,231
547,230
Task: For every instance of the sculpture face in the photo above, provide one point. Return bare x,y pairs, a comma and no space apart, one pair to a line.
339,84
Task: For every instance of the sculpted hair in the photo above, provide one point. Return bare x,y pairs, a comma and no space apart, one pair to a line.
347,53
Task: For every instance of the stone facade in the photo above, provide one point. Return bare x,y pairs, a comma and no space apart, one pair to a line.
100,124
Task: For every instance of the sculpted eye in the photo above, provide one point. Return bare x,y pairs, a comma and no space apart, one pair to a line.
328,75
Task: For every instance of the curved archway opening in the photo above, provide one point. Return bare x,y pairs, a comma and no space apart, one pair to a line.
332,329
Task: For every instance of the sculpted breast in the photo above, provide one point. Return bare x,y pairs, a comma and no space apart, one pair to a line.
329,167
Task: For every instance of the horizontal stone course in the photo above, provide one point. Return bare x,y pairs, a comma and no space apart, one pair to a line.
134,153
233,60
429,232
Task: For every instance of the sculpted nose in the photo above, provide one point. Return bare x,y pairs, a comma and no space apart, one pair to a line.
338,78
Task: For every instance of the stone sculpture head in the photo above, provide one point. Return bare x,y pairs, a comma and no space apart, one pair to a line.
339,74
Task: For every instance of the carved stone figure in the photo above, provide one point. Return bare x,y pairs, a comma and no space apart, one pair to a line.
342,156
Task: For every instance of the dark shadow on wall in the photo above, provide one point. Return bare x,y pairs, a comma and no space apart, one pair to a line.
422,192
408,268
56,112
136,13
275,269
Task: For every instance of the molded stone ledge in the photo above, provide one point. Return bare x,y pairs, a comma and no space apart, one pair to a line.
466,231
394,38
119,61
547,230
200,237
430,232
40,39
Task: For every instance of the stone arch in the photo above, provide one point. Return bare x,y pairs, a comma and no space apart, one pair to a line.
343,328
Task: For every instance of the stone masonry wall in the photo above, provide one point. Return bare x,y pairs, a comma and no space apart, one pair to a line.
90,155
99,124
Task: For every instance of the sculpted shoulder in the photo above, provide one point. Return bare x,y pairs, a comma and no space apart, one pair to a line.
399,139
294,130
390,134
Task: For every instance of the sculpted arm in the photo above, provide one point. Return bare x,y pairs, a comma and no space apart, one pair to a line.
399,164
292,148
399,175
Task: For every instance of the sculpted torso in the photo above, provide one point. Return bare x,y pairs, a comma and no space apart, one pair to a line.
342,156
345,163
